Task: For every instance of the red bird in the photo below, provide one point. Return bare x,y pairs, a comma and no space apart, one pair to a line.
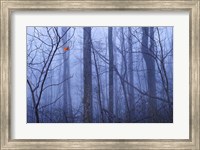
66,48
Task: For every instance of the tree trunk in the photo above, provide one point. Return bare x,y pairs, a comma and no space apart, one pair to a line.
87,69
37,115
131,76
116,96
67,103
111,61
98,88
150,64
124,75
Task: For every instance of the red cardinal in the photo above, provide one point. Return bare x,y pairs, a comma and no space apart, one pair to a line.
66,48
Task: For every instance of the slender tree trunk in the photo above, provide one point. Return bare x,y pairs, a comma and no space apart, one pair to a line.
131,76
122,46
124,75
111,63
106,88
116,102
98,88
87,69
37,115
67,104
50,96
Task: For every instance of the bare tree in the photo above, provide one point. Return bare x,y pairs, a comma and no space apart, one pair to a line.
87,69
67,102
150,64
111,63
123,75
116,92
131,76
40,59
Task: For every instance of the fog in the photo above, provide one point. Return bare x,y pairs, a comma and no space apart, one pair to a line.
99,74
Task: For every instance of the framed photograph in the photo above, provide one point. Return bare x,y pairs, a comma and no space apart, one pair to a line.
100,74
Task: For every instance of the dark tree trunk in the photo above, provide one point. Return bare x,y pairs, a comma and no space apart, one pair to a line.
111,63
87,70
37,115
150,64
131,76
116,96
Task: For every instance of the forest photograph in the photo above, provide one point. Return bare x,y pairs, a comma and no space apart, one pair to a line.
99,74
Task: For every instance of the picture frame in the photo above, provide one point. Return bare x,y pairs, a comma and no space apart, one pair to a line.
10,7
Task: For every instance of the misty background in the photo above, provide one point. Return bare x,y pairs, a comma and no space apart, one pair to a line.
99,74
